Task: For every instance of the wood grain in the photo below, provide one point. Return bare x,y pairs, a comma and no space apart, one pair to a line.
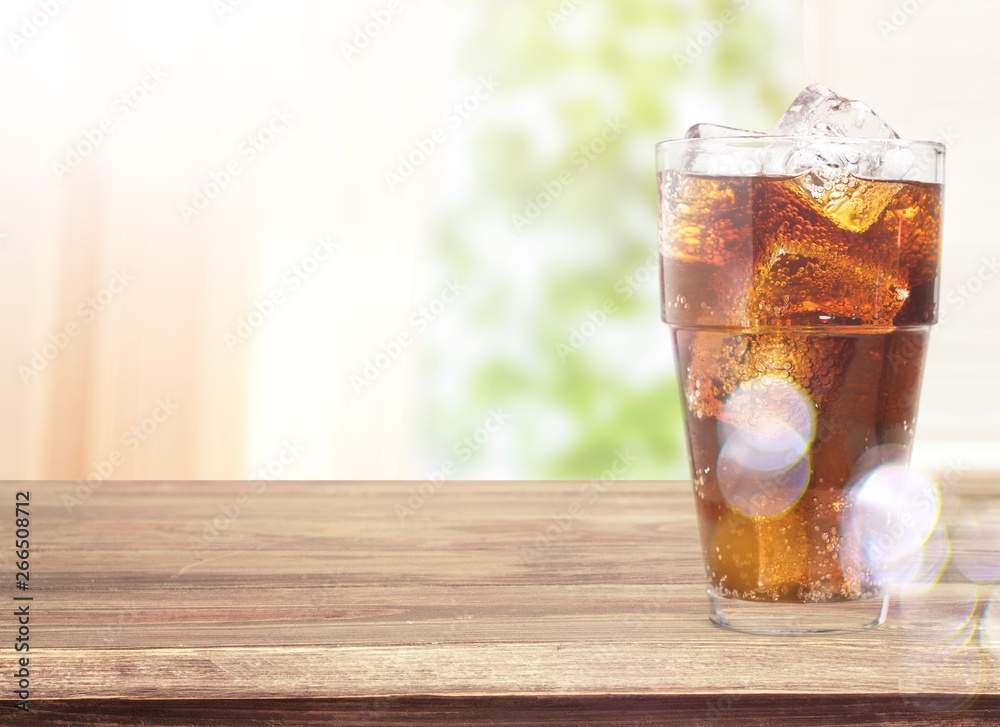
471,596
619,711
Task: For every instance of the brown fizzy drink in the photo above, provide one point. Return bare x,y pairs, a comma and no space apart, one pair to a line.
800,309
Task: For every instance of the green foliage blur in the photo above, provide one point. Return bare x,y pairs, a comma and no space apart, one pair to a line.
549,228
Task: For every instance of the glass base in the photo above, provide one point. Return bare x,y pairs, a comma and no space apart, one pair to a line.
761,617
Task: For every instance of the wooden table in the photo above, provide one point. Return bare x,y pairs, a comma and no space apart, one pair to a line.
163,603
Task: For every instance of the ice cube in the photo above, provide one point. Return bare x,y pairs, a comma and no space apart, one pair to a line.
819,114
715,131
818,111
703,219
809,266
914,217
761,559
716,160
794,285
714,371
849,202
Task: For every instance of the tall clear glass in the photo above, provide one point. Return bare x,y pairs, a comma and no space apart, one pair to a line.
800,307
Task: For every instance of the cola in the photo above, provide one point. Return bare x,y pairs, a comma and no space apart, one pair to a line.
799,306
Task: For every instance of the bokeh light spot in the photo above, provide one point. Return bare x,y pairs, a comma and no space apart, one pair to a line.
989,626
976,540
893,512
765,429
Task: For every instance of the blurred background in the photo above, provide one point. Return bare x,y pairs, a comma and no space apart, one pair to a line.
414,238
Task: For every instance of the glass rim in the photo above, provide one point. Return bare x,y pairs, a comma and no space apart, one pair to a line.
769,140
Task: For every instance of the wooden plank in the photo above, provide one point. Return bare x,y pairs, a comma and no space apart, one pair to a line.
163,591
624,711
